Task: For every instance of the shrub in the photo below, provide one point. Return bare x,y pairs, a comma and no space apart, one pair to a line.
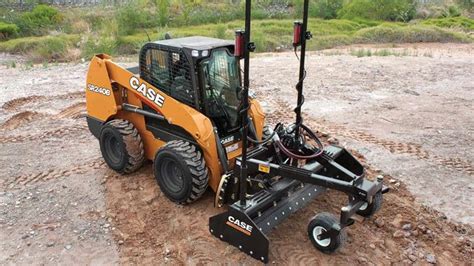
132,17
466,4
52,48
220,31
393,10
163,11
326,9
451,11
98,45
7,30
38,21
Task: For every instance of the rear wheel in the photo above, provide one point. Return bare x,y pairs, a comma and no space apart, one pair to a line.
121,146
322,223
181,171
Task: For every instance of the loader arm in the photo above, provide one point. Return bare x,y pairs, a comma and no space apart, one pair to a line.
104,101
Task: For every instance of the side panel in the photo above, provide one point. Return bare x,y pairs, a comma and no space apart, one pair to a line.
100,99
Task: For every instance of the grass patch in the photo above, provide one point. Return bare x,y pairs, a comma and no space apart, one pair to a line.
462,23
273,35
409,34
51,48
269,35
386,52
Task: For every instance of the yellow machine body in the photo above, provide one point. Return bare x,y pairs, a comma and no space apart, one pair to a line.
110,85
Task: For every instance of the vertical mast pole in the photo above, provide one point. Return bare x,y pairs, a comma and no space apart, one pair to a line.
245,106
299,85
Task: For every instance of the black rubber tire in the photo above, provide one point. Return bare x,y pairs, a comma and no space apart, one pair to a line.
190,171
373,207
121,146
326,221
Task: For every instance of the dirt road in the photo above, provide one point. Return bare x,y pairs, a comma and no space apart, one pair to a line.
409,118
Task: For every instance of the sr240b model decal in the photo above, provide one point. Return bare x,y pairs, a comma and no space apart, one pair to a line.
100,90
149,93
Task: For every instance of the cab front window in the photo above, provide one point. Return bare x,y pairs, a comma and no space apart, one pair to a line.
221,80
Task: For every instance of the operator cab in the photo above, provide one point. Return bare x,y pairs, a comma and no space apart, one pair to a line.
200,72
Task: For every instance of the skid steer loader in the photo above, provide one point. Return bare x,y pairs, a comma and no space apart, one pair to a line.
186,108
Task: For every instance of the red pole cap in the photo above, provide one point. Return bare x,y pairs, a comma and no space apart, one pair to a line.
298,25
239,43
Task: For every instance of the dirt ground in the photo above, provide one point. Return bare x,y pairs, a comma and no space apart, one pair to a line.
407,117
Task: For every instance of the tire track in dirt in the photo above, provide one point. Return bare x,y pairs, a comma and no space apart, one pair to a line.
25,101
23,180
55,133
75,111
393,146
401,148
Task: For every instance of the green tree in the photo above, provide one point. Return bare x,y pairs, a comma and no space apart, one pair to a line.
163,11
326,9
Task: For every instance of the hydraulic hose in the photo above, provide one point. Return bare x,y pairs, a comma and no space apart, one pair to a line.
313,136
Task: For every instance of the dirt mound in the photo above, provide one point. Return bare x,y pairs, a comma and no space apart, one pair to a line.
20,119
74,111
151,229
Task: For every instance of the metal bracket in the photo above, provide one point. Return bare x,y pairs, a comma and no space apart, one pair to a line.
252,47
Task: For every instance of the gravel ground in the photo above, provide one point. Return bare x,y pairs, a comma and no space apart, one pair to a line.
408,118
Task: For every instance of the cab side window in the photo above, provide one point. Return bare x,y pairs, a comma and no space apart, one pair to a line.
157,69
170,72
181,85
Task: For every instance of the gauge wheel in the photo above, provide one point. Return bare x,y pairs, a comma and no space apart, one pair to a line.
321,223
121,146
180,171
369,209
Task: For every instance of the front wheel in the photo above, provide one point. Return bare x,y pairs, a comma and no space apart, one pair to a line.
181,171
321,223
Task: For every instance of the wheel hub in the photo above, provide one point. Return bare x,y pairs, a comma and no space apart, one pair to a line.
317,231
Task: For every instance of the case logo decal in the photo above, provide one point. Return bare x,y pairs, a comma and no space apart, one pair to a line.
149,93
239,225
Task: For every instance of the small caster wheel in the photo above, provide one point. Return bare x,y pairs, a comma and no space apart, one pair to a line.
367,210
321,223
